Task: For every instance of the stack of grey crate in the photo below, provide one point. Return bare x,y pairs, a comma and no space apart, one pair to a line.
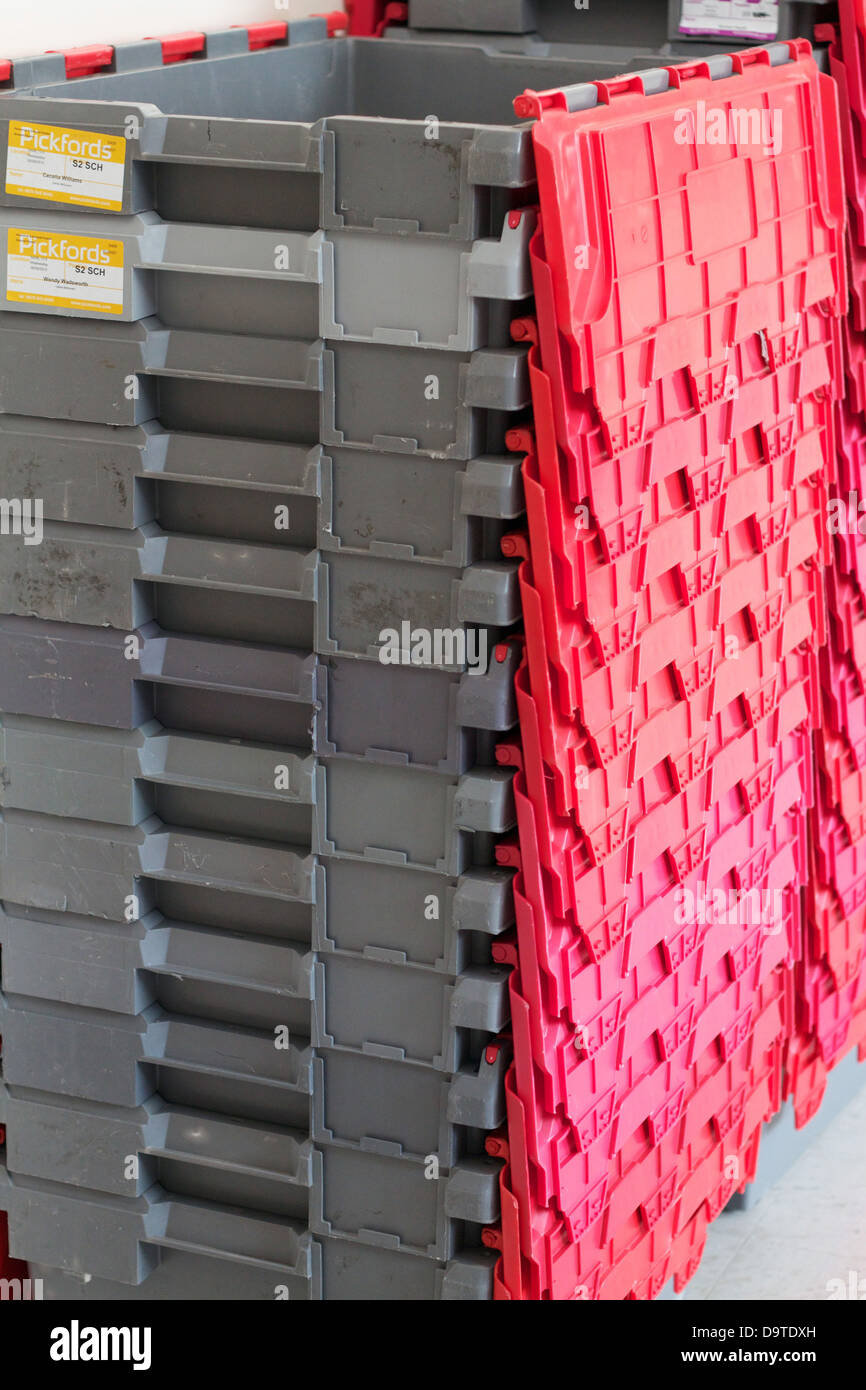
249,1010
255,380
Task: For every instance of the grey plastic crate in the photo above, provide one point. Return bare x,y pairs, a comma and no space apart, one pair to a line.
320,133
595,61
114,872
90,1246
379,910
648,24
119,1240
395,915
481,16
278,595
190,1153
360,501
221,1171
178,1277
397,815
344,1272
403,1204
63,672
165,901
359,1273
438,511
117,1060
396,1107
216,964
197,969
122,778
159,784
380,1007
372,711
406,1013
445,404
362,286
395,1202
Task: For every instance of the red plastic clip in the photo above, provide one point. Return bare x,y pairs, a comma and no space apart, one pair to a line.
754,57
630,85
176,48
520,440
515,546
83,62
395,13
266,34
496,1144
507,854
687,72
6,70
530,104
505,953
524,330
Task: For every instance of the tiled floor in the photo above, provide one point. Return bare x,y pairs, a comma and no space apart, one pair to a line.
807,1231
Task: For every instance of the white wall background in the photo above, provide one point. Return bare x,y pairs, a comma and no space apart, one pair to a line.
27,29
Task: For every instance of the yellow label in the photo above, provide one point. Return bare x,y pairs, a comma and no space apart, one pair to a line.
58,271
65,166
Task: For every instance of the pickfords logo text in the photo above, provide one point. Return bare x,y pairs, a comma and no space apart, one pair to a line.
49,141
48,247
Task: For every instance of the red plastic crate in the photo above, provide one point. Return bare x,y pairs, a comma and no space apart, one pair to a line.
652,294
692,543
580,469
639,1051
852,32
836,937
686,452
570,1256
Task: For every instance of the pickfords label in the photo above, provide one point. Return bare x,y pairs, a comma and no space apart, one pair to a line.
65,166
64,272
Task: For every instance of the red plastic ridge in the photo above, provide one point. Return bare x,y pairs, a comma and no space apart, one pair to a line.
176,48
83,62
265,35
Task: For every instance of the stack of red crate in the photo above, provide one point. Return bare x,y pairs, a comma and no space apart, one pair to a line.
831,979
684,361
